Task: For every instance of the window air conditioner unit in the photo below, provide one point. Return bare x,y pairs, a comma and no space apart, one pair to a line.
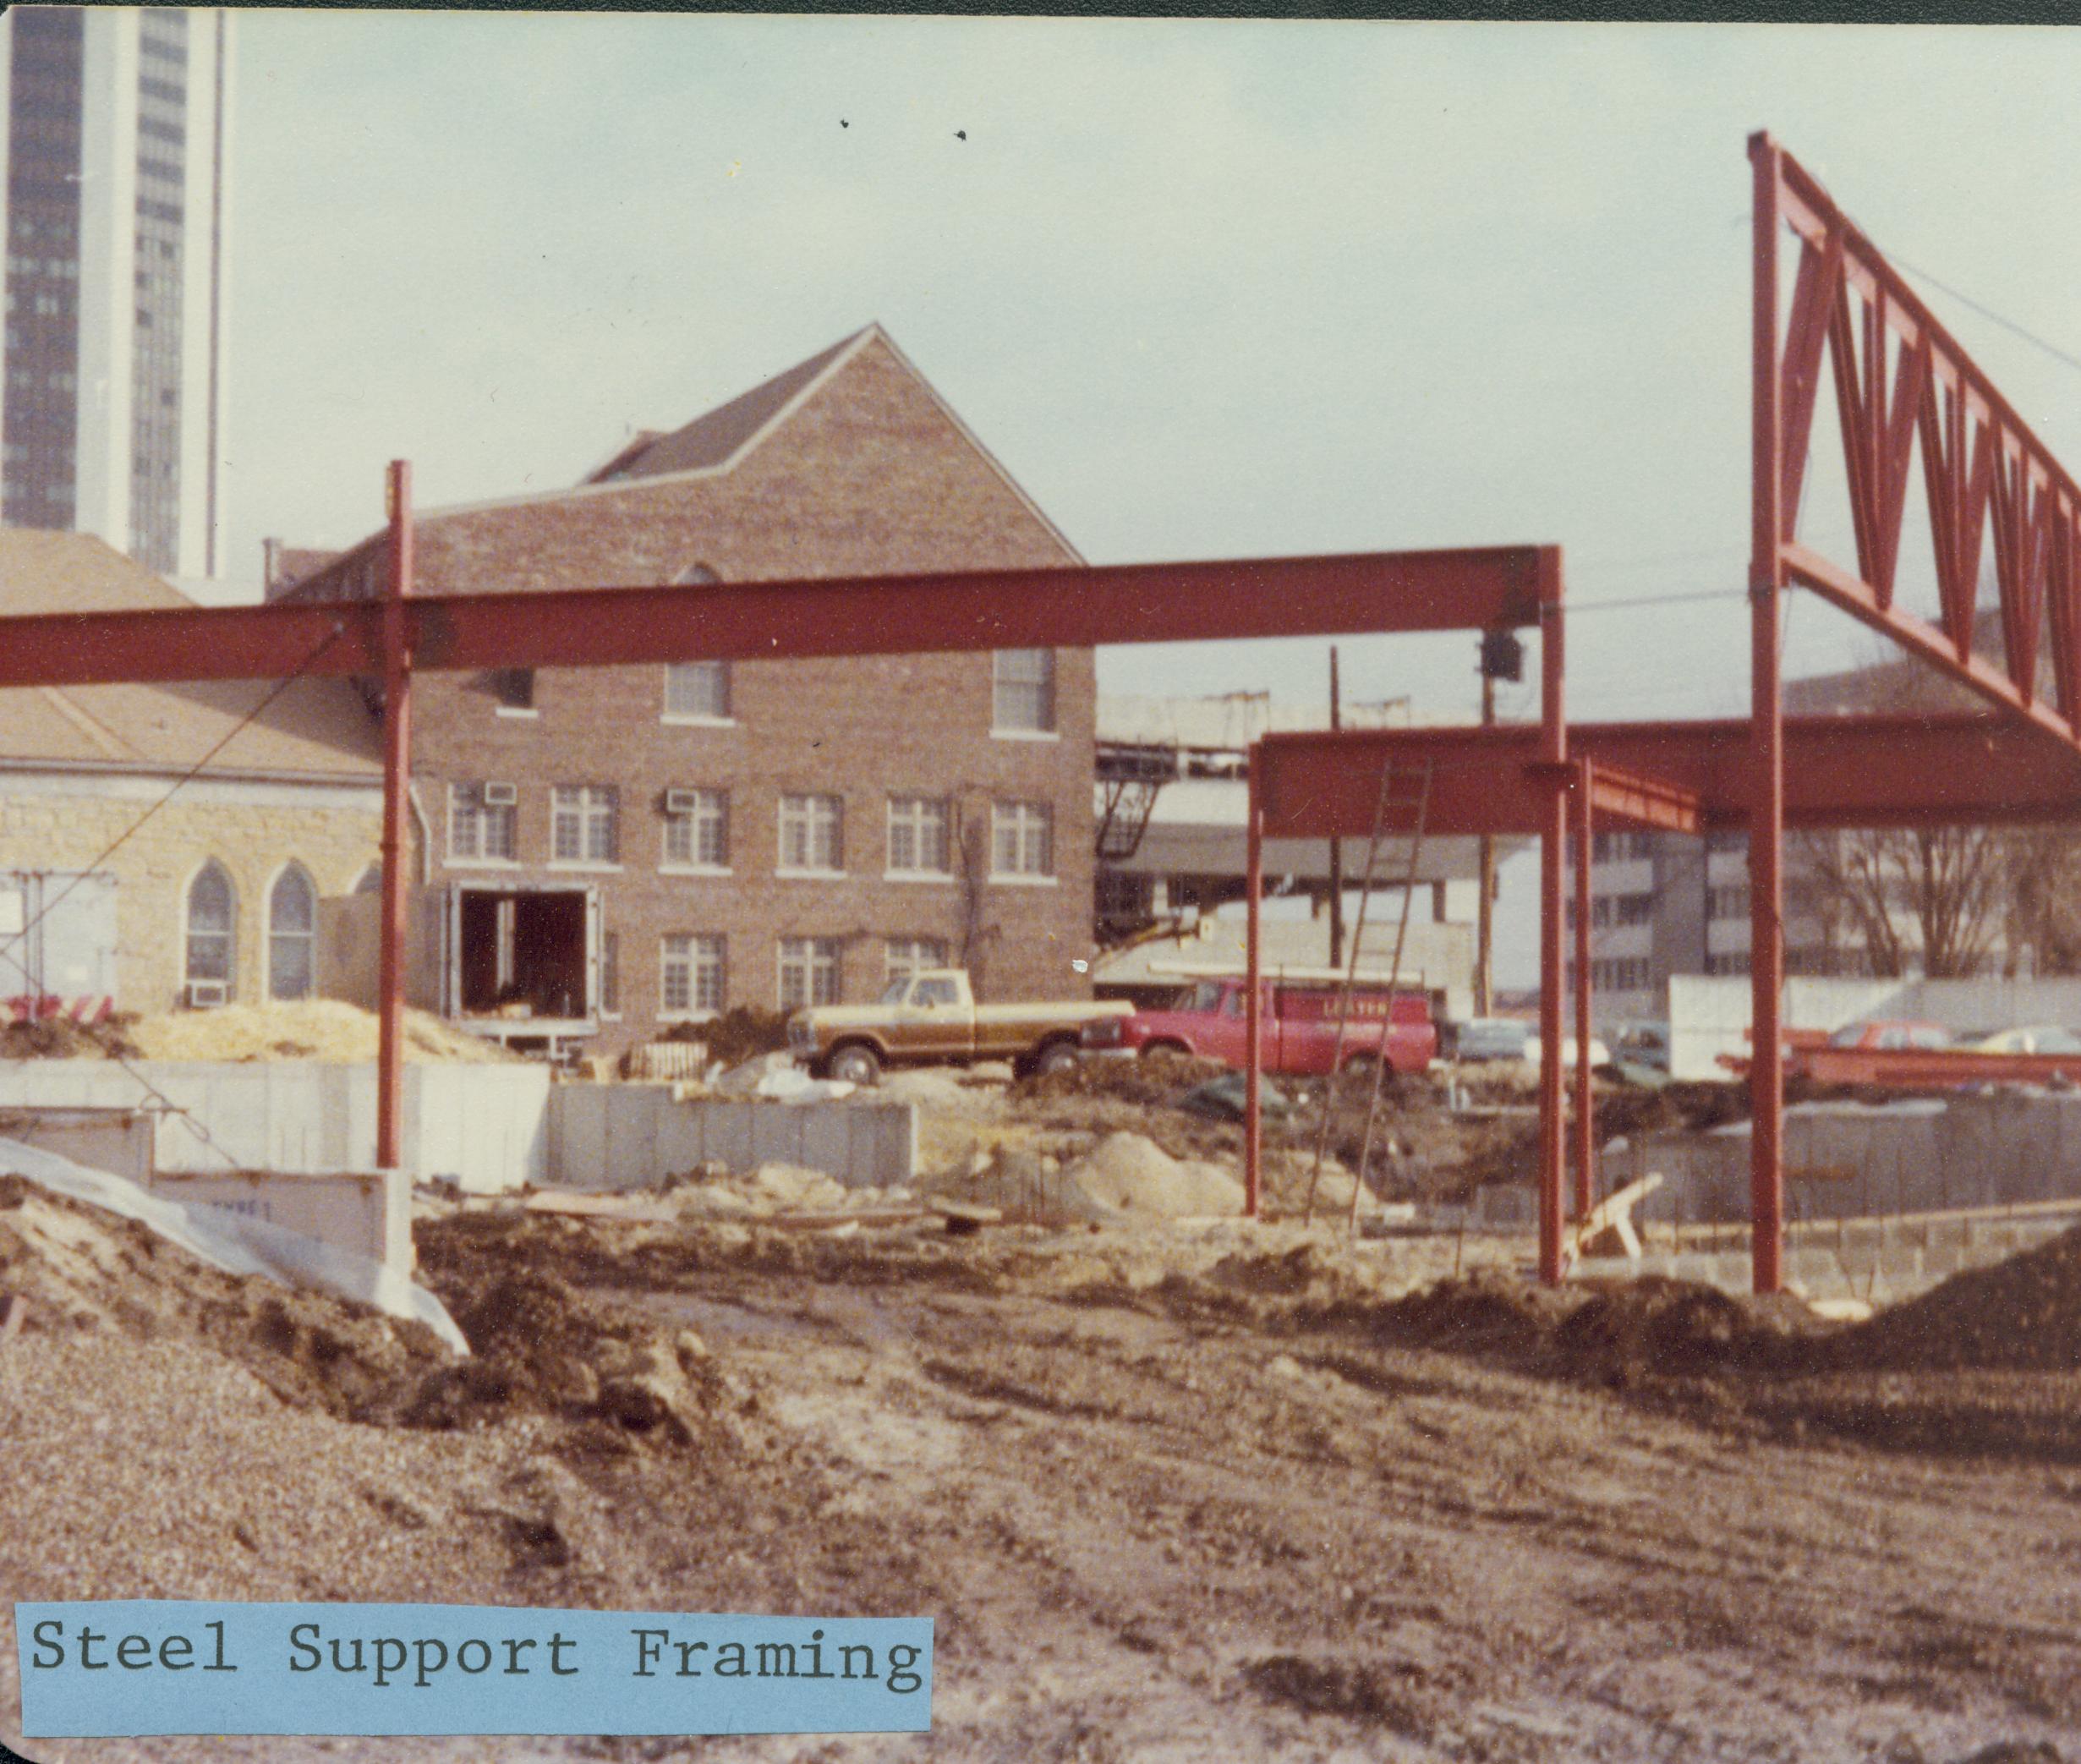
207,994
681,802
502,795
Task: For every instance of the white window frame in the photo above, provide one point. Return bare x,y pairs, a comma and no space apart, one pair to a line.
229,978
1027,822
593,806
724,719
819,818
713,810
693,963
1049,726
526,712
909,818
918,954
817,958
275,934
468,799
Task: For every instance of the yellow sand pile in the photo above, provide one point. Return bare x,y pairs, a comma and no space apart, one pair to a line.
316,1029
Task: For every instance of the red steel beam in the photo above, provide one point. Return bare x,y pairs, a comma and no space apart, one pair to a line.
1876,771
1069,608
1553,754
1773,507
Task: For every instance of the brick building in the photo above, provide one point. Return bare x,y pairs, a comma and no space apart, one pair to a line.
157,894
764,834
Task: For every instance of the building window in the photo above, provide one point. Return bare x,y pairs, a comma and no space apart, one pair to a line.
291,934
812,833
696,829
481,819
917,842
1617,973
1732,962
1731,901
809,972
212,934
1022,841
1635,909
584,824
691,974
909,956
371,880
1024,701
610,974
698,690
513,688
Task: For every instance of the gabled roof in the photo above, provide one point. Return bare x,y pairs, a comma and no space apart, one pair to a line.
316,727
716,438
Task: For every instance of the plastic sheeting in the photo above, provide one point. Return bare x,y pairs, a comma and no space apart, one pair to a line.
238,1245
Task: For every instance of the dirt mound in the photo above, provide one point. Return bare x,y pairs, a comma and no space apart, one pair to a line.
537,1346
1484,1313
1659,1328
324,1029
82,1269
742,1033
2023,1314
1158,1080
1130,1173
59,1037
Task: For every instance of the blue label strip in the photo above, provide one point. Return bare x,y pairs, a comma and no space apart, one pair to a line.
117,1668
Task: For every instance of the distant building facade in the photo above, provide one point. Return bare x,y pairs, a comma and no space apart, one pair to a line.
114,161
124,881
766,834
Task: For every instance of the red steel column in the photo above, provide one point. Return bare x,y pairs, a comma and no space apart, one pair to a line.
397,780
1585,1120
1767,765
1253,1012
1552,846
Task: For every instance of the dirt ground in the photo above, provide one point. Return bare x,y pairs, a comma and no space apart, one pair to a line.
1170,1492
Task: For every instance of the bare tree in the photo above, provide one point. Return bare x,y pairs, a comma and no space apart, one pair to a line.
1950,899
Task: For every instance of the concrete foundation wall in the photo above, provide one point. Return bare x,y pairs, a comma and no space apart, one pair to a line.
1843,1161
368,1212
1880,1261
484,1126
631,1136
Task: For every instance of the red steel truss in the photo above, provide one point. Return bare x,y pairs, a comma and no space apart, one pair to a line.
1900,379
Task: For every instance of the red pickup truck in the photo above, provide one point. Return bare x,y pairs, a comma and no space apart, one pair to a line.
1300,1027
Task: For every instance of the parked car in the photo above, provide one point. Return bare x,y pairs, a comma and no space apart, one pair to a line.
1600,1055
1487,1038
1886,1035
1645,1044
2038,1039
1299,1033
933,1019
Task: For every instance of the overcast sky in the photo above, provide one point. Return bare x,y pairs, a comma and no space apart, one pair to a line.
1206,288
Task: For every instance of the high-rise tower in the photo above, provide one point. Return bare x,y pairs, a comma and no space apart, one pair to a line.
114,164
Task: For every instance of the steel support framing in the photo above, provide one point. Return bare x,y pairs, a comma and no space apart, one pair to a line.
1899,378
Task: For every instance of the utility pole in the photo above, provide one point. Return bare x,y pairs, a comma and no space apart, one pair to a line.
1336,844
1503,658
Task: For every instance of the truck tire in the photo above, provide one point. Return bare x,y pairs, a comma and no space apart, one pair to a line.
855,1063
1057,1056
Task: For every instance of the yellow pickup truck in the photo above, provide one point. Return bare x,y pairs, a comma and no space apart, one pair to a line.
932,1019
